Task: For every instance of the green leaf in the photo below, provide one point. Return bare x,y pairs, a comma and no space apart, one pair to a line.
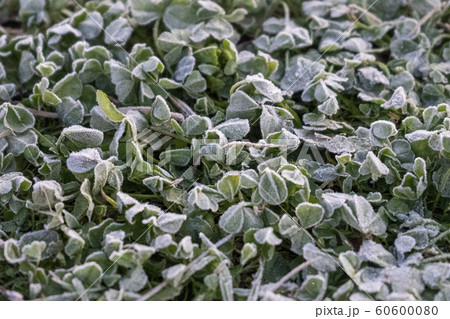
242,106
233,219
88,273
329,107
195,82
17,118
107,107
70,85
170,222
441,179
146,12
195,125
267,236
383,129
313,288
309,214
272,187
34,250
249,251
160,111
179,157
51,98
82,137
373,166
229,184
323,261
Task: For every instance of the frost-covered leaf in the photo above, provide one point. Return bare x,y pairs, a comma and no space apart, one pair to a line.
195,82
17,143
397,100
241,106
267,236
146,12
272,187
178,157
234,129
118,32
329,107
228,185
82,137
350,262
160,111
373,166
83,161
248,252
309,214
323,261
184,68
441,179
195,125
383,129
204,150
69,86
70,112
88,273
17,118
373,252
233,219
313,288
170,222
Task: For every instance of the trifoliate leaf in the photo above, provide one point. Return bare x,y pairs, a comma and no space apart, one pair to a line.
272,187
309,214
233,219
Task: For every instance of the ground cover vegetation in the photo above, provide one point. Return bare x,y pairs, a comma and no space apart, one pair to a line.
225,150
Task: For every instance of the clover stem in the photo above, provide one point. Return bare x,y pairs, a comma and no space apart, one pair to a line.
162,131
145,196
5,133
147,109
440,236
49,115
109,199
287,13
155,37
256,145
292,273
182,106
438,40
42,137
159,287
33,222
256,283
365,12
437,258
377,50
426,17
441,188
286,60
436,201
